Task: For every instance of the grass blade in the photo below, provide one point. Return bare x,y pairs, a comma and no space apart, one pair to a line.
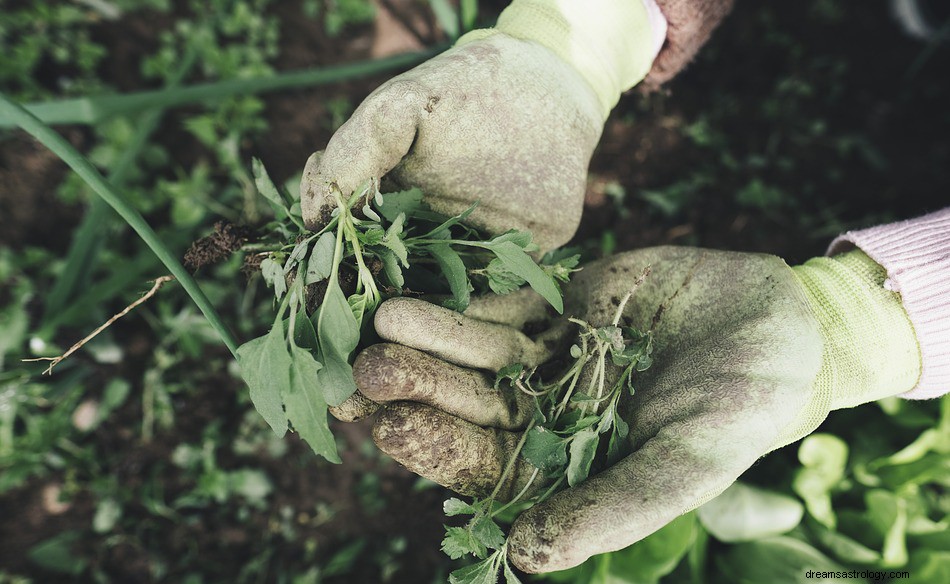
59,146
91,110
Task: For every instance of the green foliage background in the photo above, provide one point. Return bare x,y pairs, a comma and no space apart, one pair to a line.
141,458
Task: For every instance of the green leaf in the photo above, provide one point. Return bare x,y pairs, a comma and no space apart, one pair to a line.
486,531
265,186
298,253
823,457
460,541
446,16
338,334
320,264
545,450
746,513
306,407
500,279
408,202
393,241
372,236
888,513
484,572
563,268
265,367
520,238
454,270
583,448
274,276
453,506
843,547
510,577
518,262
927,567
509,372
392,269
450,222
304,334
655,556
56,554
780,559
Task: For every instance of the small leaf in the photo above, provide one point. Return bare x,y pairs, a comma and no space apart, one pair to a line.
583,448
407,202
368,211
518,262
453,506
509,372
500,279
823,458
306,407
451,222
545,450
265,186
298,253
393,241
747,513
510,577
520,238
338,334
304,334
486,531
392,269
274,276
320,264
460,541
454,270
265,367
372,236
484,572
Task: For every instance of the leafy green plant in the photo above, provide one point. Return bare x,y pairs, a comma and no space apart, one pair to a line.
562,440
377,246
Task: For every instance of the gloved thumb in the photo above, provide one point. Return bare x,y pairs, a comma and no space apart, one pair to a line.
683,466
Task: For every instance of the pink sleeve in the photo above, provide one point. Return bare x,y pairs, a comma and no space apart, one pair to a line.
916,255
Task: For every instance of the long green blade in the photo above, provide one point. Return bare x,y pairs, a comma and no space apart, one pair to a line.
90,110
33,126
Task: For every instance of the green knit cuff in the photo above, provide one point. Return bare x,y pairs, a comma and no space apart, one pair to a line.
871,350
609,42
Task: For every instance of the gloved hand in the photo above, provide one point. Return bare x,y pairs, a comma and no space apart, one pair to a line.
509,117
750,355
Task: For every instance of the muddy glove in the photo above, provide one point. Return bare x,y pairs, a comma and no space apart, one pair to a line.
509,117
690,24
750,355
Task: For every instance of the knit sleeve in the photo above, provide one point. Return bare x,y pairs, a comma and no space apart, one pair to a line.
916,255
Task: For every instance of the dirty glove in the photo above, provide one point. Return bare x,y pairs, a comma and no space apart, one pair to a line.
750,355
690,24
509,117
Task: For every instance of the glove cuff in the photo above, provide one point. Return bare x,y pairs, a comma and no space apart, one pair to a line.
611,43
870,350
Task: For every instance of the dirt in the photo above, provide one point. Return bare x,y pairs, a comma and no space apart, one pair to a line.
30,212
217,247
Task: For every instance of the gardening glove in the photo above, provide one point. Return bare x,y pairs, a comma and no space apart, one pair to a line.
508,118
750,355
690,23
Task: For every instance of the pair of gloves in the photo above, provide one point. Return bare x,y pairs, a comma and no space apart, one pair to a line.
751,354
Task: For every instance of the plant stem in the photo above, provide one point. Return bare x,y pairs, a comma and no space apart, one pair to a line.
91,110
59,146
511,461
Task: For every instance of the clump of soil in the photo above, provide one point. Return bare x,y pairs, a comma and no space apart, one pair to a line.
226,239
